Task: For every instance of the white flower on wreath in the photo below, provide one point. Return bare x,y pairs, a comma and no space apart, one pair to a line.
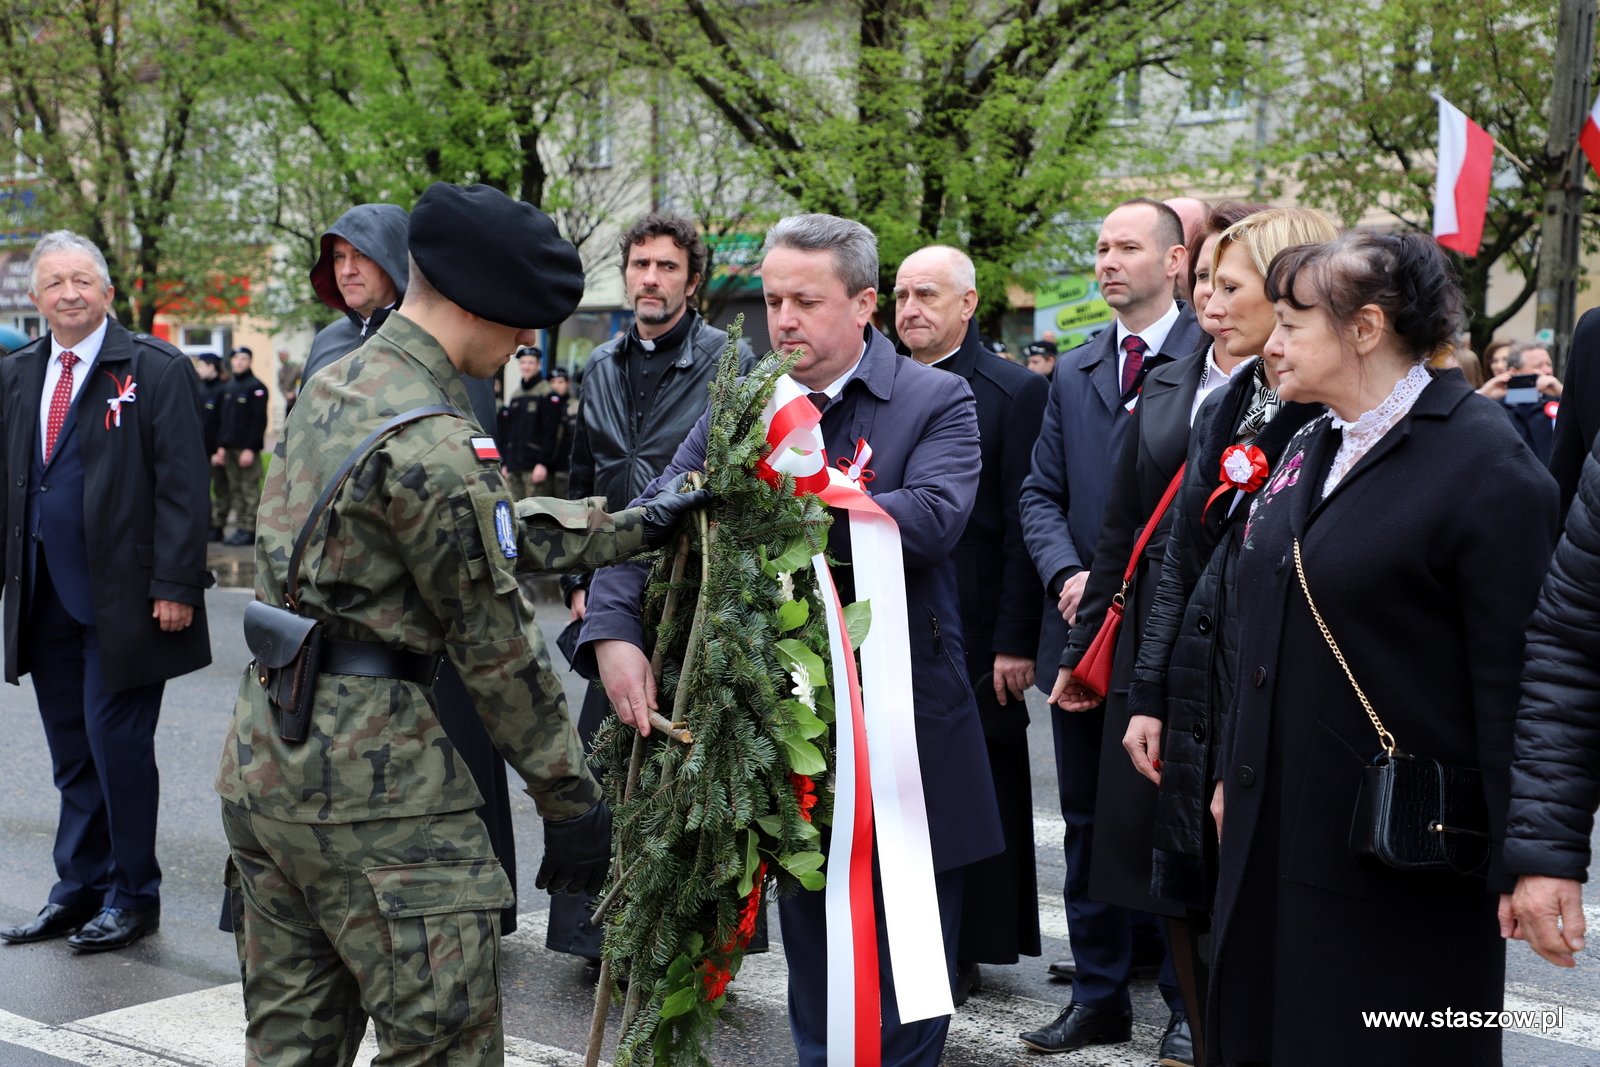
786,585
802,690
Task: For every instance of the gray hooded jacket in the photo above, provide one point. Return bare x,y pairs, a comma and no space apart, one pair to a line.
380,232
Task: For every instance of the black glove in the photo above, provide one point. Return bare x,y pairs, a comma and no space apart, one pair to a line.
577,853
664,512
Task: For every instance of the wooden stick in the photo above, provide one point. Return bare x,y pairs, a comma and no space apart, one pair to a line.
1509,155
602,993
599,914
670,728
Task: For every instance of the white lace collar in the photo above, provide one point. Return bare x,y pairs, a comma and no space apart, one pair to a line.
1370,428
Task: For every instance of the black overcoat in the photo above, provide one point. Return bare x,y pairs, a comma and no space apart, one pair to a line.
1184,671
1000,608
1425,562
1125,803
146,502
1579,418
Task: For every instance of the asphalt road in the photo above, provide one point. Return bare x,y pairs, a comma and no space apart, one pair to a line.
173,998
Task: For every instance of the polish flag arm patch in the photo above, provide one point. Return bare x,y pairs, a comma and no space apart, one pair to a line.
484,448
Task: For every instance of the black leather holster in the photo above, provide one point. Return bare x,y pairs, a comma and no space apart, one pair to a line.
288,653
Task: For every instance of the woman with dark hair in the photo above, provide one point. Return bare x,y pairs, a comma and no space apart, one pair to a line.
1391,514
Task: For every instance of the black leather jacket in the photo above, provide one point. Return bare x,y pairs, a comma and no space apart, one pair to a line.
1184,673
615,456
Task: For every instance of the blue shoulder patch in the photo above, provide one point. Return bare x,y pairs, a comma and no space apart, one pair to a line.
505,529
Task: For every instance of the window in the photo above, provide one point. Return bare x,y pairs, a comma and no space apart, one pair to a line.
1122,105
596,131
1215,91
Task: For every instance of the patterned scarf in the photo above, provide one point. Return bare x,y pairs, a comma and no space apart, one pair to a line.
1263,406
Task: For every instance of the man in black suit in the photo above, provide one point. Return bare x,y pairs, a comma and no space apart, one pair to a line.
1096,388
818,273
102,603
935,295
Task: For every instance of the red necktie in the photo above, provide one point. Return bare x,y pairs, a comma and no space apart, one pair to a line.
1133,362
60,401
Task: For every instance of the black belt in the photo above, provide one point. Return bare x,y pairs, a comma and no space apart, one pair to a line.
374,661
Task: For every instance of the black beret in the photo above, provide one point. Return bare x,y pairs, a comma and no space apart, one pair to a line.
496,257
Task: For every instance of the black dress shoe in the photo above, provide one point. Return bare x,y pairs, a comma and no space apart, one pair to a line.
214,535
1177,1044
241,538
115,928
968,982
56,920
1141,969
1079,1026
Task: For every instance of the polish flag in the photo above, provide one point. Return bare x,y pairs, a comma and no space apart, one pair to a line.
1461,191
1589,136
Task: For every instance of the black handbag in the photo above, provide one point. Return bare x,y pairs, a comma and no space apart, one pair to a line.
1411,814
286,645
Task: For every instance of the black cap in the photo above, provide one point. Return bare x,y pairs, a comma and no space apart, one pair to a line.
211,358
243,349
1039,349
558,372
499,258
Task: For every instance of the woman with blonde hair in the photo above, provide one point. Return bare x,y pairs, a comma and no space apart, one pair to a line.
1157,445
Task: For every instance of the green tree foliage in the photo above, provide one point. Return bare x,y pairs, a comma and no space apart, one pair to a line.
121,131
1364,132
969,122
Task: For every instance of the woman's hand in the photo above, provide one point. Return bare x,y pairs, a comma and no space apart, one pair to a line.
1069,695
1143,742
1216,809
1495,388
1531,914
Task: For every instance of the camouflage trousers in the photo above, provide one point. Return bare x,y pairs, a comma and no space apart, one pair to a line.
244,489
220,500
396,920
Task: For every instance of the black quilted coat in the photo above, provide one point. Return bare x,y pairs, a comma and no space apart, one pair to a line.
1555,770
1184,674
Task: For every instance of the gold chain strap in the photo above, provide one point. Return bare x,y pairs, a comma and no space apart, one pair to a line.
1383,735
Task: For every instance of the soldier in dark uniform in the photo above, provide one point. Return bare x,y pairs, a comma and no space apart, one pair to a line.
362,879
212,384
240,439
554,433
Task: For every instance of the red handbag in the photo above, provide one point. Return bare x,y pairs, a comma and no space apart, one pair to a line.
1093,671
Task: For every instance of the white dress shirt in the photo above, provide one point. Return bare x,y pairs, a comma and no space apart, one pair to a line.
1153,336
833,390
87,351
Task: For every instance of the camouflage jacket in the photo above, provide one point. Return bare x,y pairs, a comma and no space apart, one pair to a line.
409,556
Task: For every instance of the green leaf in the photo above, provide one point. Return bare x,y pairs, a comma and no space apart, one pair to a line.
809,831
795,656
823,695
805,720
772,824
752,863
804,757
813,881
858,620
801,862
678,971
681,1002
792,614
796,556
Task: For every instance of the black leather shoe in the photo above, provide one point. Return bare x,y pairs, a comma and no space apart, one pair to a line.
55,920
1069,969
241,538
115,928
214,535
1177,1044
1079,1026
968,981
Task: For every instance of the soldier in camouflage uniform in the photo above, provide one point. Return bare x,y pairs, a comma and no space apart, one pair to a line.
362,878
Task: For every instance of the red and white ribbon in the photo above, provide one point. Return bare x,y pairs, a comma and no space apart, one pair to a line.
125,391
878,790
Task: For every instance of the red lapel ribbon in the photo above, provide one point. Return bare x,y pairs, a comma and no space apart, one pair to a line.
1243,467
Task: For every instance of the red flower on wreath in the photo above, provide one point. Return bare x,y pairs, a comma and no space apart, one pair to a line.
805,794
1244,467
715,973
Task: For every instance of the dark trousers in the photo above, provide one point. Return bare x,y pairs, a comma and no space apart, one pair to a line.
805,945
103,756
1103,935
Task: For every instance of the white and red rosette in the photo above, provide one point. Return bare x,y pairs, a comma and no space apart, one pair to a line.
1244,467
